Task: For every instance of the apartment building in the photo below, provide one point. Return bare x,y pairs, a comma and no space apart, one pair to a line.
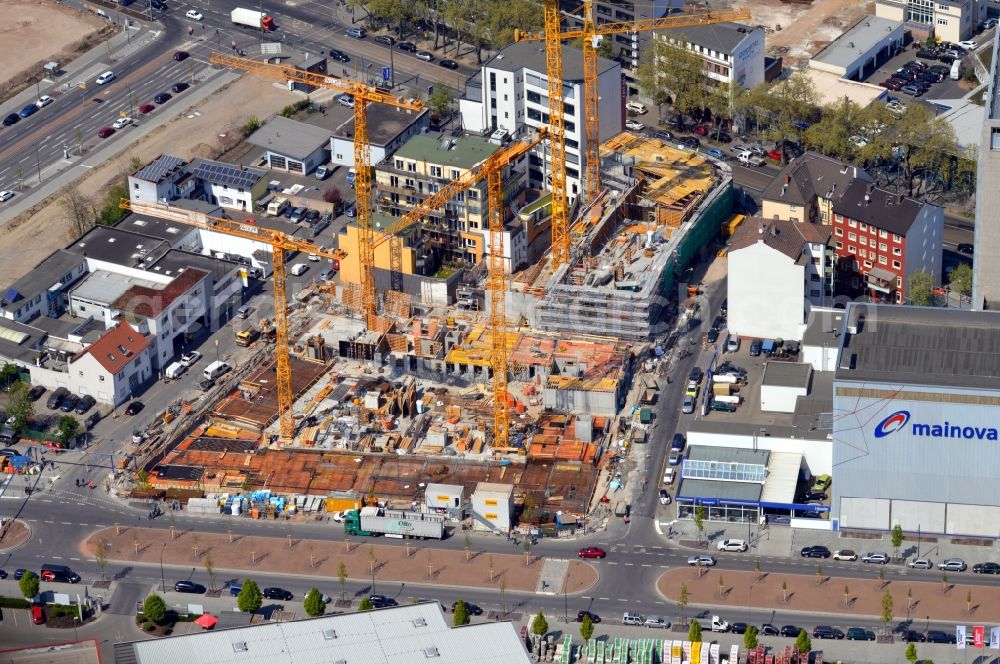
807,187
986,270
882,239
947,20
511,92
731,52
167,178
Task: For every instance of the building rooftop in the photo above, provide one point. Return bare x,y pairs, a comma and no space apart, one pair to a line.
385,123
824,327
809,176
19,342
876,207
117,347
162,229
463,152
104,287
788,237
856,42
176,261
728,454
531,55
160,169
119,246
221,173
395,635
85,651
289,137
720,37
43,276
786,374
149,302
920,346
740,492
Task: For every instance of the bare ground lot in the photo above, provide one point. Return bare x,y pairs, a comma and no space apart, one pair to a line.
804,29
34,31
199,131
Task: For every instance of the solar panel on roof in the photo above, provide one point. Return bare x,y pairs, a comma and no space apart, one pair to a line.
156,170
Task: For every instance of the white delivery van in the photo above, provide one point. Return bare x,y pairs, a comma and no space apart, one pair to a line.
174,370
215,369
956,69
299,269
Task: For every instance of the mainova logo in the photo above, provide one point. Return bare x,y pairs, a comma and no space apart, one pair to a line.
892,423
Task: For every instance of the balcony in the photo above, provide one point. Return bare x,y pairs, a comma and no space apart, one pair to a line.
881,281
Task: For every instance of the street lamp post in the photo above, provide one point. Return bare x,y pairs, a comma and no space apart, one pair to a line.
163,583
38,164
76,621
216,350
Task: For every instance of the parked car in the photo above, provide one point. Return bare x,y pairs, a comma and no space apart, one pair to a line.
69,403
189,587
986,568
912,90
664,497
966,248
790,630
179,87
827,632
632,125
383,39
147,108
738,628
37,614
664,135
815,551
860,634
134,408
339,56
277,593
105,132
732,545
845,554
6,195
121,123
594,618
952,565
381,601
426,56
346,100
939,636
913,636
162,98
448,64
592,552
189,358
716,153
85,403
471,608
701,559
675,456
11,119
755,347
821,482
656,622
813,497
36,392
767,629
690,142
876,557
687,406
700,130
920,563
28,110
406,46
44,101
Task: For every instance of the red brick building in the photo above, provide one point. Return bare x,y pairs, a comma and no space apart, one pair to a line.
882,239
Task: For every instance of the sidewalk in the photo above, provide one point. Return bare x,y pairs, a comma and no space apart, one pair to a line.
831,595
417,563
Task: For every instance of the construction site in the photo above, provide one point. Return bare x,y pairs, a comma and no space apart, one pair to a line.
374,395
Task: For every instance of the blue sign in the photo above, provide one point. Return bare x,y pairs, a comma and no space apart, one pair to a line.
386,74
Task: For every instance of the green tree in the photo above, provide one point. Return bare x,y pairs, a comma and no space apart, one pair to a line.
886,610
928,148
586,628
960,279
539,625
802,642
461,615
750,637
20,406
676,73
897,538
366,605
154,608
699,520
67,428
313,603
110,213
142,480
831,135
9,373
694,632
250,598
683,598
911,653
440,101
29,585
920,289
250,126
342,579
779,105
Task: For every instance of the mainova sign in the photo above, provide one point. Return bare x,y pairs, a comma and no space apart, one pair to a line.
901,419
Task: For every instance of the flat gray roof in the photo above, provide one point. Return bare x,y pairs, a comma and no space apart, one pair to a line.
41,277
176,261
385,123
921,346
106,287
848,47
823,328
396,635
719,37
531,55
727,454
749,492
786,374
291,138
80,652
163,229
118,246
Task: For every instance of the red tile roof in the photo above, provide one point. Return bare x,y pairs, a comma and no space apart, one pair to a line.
151,302
119,346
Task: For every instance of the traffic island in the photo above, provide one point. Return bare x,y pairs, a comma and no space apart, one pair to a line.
355,559
909,599
13,535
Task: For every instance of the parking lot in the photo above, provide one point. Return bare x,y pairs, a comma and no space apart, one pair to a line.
945,89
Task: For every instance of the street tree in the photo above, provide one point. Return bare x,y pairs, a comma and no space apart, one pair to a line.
9,373
831,135
28,585
960,279
920,289
782,104
209,570
101,555
250,598
673,73
20,407
750,637
968,603
66,430
154,608
586,628
80,211
366,604
699,520
802,641
342,579
694,632
440,102
927,149
539,625
911,653
313,603
886,610
897,538
682,599
461,615
847,597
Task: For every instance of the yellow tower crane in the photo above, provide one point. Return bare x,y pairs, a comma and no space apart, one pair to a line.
590,34
362,159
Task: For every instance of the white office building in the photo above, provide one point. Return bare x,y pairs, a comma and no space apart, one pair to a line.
511,92
950,20
731,52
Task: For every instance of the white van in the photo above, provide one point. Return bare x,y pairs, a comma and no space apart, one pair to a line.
175,370
277,206
299,269
750,159
956,70
635,107
215,369
106,77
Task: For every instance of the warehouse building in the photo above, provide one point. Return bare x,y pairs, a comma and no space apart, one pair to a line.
915,402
